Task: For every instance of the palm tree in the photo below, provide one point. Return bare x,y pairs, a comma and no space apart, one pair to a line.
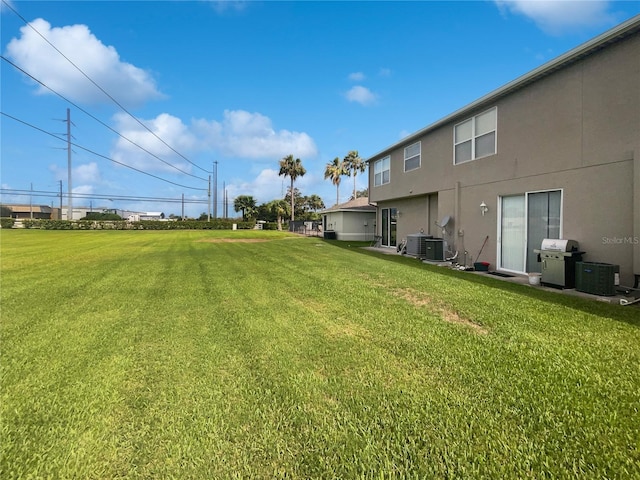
354,164
334,170
298,201
314,202
279,208
293,169
246,204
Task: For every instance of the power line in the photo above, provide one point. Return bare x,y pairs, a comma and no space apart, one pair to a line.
26,22
96,119
99,154
99,196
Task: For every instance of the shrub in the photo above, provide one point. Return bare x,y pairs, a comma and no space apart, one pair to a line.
6,222
218,224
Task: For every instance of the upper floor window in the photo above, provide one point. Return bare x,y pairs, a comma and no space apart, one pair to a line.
475,137
412,157
381,171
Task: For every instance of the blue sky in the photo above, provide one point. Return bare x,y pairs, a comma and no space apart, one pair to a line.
247,83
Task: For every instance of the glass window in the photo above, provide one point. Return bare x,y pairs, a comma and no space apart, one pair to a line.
475,137
463,152
381,171
486,122
486,145
464,131
412,157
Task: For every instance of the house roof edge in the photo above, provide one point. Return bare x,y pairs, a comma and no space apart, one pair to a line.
611,36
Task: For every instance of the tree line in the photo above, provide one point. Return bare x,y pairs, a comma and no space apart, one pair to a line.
295,205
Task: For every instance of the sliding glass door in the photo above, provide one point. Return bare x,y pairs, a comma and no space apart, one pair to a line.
525,220
389,227
543,221
512,247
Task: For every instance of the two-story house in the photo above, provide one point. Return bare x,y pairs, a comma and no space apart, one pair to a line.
552,154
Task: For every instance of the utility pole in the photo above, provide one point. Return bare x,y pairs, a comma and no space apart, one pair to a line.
60,213
183,207
215,189
209,201
31,203
224,199
69,201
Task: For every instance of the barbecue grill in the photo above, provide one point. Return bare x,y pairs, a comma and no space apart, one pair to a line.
559,257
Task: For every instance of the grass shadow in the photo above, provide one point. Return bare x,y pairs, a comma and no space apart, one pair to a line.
627,314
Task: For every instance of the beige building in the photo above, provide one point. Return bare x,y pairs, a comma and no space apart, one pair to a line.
552,154
354,220
34,212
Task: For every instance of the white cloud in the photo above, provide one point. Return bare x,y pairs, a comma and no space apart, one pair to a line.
362,95
168,128
251,135
87,173
240,134
384,72
222,6
268,185
83,189
128,84
265,187
356,76
84,176
559,16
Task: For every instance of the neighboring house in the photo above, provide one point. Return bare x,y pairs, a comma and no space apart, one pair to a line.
552,154
354,220
32,212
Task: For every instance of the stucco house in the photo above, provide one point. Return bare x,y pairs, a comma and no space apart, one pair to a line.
354,220
552,154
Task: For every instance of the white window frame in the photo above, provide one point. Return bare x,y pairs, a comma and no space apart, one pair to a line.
413,156
378,169
475,136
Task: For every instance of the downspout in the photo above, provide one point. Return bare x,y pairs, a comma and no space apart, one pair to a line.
635,205
375,223
456,218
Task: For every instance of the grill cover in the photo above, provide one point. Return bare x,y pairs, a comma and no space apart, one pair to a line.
559,245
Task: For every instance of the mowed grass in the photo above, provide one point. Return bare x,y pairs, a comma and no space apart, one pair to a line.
149,355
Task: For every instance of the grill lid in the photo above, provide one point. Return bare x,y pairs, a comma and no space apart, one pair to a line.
559,245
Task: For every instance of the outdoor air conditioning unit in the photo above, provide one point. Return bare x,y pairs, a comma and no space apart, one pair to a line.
597,278
434,249
416,246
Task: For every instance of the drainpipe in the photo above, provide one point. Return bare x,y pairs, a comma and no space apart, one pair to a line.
635,205
375,223
456,218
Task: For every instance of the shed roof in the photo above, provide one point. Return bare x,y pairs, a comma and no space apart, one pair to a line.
360,204
614,35
29,208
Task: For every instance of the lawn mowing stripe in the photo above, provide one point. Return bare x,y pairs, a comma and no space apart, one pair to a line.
186,358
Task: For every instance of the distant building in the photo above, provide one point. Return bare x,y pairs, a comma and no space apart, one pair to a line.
35,212
140,217
354,220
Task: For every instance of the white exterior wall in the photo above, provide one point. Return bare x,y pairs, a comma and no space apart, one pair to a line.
354,226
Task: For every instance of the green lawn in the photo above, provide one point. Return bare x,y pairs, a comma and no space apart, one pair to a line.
155,355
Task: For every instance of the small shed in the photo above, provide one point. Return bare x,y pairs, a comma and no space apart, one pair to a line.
354,220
